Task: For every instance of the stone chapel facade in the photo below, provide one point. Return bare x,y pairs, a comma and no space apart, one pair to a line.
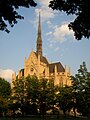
38,65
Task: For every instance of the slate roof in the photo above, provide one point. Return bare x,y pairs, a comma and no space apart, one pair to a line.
42,59
59,67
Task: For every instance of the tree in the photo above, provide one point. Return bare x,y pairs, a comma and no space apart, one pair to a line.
65,98
43,92
32,90
9,14
51,96
25,94
79,8
5,92
5,88
81,87
18,90
19,95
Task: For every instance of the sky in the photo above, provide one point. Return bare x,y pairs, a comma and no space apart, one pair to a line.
59,43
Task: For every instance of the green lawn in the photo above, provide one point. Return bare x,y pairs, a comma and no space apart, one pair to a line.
45,118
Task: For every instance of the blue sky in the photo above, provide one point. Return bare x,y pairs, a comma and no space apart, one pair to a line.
59,43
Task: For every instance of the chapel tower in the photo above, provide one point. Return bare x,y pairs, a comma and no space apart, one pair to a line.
39,39
38,65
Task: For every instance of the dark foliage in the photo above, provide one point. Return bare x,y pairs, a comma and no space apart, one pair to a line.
5,91
9,14
31,96
5,88
81,86
80,8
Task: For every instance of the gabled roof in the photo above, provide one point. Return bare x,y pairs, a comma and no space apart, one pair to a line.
32,53
58,65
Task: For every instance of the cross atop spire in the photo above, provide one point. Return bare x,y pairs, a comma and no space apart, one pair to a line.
39,38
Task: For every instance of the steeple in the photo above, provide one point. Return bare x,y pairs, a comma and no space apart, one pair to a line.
39,38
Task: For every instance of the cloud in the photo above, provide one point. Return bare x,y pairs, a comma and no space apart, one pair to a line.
44,2
56,49
50,45
46,12
6,74
50,25
49,33
61,33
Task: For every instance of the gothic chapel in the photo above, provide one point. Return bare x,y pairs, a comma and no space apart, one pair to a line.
38,65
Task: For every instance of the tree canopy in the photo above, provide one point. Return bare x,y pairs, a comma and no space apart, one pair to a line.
5,91
33,96
9,14
5,88
79,8
81,87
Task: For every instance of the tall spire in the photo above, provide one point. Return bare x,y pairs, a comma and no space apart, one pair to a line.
39,26
39,38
